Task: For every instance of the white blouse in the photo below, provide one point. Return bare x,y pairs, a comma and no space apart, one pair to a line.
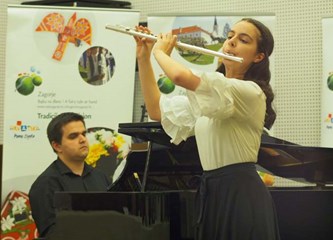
225,115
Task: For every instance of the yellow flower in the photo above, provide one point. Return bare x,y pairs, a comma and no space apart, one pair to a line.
95,152
118,141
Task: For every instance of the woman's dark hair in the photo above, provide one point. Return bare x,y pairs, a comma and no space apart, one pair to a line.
260,72
54,129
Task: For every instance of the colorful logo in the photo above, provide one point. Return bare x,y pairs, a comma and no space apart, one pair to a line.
20,127
329,118
26,82
74,32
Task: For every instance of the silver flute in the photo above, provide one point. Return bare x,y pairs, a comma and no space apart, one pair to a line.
133,32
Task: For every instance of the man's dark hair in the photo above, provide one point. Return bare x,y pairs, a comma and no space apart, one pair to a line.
54,129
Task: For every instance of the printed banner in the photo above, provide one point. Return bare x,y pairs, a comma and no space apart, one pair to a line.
327,85
62,59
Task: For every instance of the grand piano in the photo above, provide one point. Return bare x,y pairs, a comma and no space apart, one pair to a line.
153,197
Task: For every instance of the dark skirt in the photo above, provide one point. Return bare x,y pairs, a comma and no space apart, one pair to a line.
234,204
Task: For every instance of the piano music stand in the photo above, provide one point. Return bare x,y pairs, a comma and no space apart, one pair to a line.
158,140
145,131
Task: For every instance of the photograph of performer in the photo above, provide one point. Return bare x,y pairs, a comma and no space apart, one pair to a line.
227,111
103,65
94,70
96,65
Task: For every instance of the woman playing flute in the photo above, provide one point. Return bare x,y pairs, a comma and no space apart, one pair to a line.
227,111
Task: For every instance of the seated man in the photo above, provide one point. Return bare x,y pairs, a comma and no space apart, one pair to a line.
69,172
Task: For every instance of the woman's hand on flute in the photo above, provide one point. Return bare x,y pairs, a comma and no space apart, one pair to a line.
144,45
165,43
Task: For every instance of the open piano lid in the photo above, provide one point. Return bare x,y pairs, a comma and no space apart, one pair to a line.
280,157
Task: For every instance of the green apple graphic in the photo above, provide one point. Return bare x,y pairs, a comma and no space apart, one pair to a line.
165,85
330,82
37,80
24,85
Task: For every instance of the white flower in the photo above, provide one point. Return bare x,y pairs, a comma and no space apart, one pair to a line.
109,138
19,204
7,223
92,139
106,137
124,149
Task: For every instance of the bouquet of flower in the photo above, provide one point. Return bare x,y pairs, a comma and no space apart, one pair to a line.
105,142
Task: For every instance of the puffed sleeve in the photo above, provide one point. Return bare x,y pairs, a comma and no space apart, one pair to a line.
216,97
212,97
177,117
219,97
